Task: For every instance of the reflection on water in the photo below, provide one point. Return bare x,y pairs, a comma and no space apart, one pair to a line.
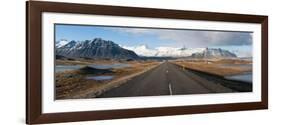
62,68
109,66
245,77
237,65
99,78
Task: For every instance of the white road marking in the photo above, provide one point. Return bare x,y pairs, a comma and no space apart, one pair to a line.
167,71
170,89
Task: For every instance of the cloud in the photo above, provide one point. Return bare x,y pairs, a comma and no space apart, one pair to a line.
193,38
239,50
133,31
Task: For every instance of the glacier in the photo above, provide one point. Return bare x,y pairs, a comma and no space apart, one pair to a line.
144,50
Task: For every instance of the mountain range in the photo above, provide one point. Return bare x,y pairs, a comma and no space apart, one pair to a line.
144,50
99,48
213,53
96,48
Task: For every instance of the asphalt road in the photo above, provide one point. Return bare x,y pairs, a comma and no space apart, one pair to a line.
166,79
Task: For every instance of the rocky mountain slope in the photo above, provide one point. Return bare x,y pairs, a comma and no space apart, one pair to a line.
96,48
213,53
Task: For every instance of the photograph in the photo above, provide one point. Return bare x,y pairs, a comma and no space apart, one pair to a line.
101,62
96,61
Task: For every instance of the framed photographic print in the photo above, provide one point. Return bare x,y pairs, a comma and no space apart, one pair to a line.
92,62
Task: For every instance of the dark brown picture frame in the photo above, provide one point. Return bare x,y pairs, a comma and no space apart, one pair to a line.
34,10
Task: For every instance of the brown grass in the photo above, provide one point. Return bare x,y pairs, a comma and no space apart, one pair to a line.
214,67
232,61
72,84
91,61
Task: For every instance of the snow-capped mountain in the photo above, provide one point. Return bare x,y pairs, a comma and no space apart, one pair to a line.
214,53
96,48
99,48
144,50
176,52
61,43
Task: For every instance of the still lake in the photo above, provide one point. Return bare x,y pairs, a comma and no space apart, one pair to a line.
62,68
236,65
99,78
110,66
245,77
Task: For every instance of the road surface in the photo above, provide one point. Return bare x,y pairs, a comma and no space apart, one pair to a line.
165,79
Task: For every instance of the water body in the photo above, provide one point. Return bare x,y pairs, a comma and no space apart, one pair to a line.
99,78
245,77
237,65
62,68
110,66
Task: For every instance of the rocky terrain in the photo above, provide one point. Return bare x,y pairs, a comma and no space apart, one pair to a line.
96,48
213,53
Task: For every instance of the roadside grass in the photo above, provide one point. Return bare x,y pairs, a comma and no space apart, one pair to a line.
216,72
215,66
73,84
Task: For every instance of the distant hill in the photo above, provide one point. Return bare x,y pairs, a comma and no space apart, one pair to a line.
106,49
213,53
61,43
96,48
145,51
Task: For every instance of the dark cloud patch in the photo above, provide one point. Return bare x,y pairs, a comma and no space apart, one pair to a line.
193,38
230,38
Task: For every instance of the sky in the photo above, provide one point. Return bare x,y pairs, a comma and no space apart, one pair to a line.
132,36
